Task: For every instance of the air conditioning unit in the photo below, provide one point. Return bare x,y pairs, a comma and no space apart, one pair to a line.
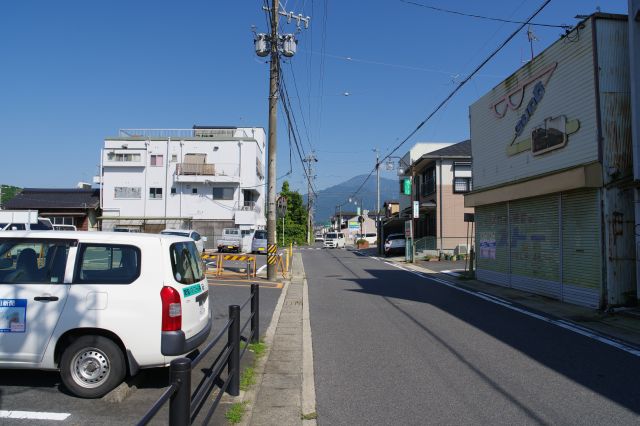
461,249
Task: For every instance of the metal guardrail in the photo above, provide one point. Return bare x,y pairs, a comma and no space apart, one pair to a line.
185,407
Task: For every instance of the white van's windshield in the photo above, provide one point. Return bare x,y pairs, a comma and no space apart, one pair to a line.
332,236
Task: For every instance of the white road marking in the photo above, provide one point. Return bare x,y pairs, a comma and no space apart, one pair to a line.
260,269
33,415
559,323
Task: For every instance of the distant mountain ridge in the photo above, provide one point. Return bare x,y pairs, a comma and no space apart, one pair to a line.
332,196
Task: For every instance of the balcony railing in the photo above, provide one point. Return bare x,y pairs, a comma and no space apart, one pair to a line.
428,187
247,206
208,169
193,169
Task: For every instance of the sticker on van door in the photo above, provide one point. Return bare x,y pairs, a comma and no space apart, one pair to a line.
192,290
13,315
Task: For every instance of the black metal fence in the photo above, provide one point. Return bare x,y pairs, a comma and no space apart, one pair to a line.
185,407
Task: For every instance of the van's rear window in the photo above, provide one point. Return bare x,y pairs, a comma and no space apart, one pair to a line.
185,263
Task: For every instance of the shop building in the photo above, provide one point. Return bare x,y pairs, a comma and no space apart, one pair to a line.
552,171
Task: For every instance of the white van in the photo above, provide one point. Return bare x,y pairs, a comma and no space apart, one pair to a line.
334,240
99,305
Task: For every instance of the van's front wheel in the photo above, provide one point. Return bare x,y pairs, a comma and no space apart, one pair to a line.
91,366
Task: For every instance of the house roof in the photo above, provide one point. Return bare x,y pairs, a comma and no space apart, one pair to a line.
55,198
460,149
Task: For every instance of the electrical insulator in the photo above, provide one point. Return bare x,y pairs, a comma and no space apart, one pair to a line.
261,43
289,45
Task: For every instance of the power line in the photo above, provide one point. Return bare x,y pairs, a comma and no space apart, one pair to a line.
285,102
304,122
456,89
489,18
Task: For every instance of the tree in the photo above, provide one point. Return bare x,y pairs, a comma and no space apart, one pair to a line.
7,192
295,220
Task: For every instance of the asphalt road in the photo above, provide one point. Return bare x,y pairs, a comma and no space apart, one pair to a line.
37,391
391,347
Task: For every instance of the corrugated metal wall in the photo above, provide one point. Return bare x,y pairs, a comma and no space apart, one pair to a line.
534,235
547,245
615,98
492,228
581,248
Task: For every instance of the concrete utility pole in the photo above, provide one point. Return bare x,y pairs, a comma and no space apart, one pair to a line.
377,183
273,45
274,78
310,159
378,221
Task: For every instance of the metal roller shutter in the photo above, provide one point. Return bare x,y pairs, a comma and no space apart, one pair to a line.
535,245
492,255
581,248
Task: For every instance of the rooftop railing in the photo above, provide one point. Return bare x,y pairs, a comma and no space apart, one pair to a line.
220,133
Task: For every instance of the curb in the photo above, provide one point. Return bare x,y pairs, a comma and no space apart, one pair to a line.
308,380
250,395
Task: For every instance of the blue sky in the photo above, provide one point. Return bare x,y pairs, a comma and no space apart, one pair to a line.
73,72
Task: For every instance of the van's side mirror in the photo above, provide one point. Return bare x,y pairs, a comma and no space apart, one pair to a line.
5,263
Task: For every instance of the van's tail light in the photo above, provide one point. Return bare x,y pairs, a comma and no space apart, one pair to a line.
171,309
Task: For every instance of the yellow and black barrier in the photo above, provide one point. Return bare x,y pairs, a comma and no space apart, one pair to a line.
220,259
249,259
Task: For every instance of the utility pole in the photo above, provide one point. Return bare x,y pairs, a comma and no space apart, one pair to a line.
378,221
274,78
272,45
310,159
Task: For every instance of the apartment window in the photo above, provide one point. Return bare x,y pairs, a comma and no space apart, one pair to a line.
112,156
174,158
173,190
461,184
223,193
194,190
155,193
127,192
157,160
61,220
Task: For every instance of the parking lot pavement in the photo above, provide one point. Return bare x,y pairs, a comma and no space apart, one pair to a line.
40,394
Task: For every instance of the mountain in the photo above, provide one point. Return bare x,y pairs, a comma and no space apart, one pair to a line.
332,196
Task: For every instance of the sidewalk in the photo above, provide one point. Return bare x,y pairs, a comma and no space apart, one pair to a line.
623,325
284,390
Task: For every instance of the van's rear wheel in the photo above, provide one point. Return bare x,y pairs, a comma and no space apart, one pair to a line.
91,366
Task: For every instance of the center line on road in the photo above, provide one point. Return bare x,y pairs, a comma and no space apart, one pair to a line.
33,415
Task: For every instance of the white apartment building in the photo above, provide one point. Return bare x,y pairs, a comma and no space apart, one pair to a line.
204,178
